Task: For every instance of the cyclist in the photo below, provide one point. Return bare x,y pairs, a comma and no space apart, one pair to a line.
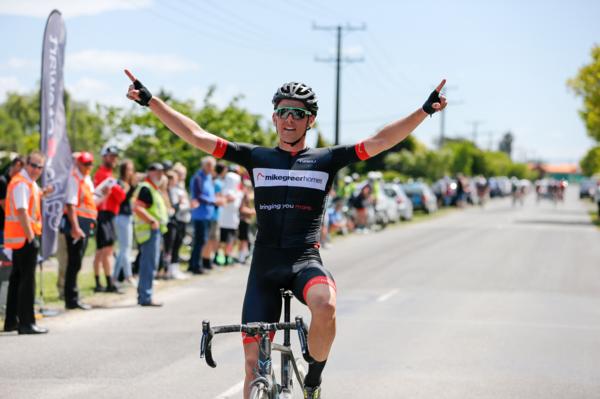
291,182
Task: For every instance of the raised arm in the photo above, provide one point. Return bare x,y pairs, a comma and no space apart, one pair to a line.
178,123
397,131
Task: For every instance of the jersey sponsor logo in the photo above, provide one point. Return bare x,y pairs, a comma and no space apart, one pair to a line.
278,207
307,161
266,177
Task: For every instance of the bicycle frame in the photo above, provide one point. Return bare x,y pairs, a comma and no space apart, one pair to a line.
264,369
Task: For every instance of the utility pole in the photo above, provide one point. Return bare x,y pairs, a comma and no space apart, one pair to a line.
338,60
475,124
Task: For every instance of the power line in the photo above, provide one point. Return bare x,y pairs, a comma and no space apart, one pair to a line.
193,28
227,18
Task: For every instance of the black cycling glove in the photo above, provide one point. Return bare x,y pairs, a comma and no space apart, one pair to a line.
145,95
434,97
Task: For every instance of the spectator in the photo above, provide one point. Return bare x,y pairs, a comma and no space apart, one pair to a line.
169,236
361,203
202,191
124,223
183,216
107,210
229,214
325,239
337,220
211,249
597,197
14,167
151,220
247,213
61,252
23,227
460,190
78,224
163,188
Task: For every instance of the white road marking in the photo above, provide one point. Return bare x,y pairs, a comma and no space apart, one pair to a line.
387,296
232,391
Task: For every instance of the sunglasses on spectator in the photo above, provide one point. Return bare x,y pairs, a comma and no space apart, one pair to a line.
297,113
87,163
35,165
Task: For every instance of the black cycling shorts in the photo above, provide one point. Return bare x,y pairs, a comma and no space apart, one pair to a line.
243,231
295,269
227,236
105,230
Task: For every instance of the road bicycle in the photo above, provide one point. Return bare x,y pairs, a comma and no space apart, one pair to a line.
265,385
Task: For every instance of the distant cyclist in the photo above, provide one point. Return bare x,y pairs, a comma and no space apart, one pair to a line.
291,182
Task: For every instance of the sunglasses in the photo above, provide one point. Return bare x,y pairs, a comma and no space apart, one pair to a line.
87,163
297,113
35,165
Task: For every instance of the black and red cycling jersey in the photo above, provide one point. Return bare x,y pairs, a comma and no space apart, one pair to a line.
290,189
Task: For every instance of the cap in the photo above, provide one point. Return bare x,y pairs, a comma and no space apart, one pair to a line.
110,150
167,165
85,157
156,166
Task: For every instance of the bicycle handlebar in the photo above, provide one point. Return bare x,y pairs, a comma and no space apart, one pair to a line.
251,329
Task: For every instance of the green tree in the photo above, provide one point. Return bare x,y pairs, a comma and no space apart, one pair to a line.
590,164
87,128
19,122
586,84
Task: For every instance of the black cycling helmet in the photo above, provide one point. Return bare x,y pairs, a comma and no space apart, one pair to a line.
297,91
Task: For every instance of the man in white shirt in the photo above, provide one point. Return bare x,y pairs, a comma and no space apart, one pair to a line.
229,213
79,221
23,227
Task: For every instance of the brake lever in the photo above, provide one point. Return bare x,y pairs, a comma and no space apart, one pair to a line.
206,344
303,338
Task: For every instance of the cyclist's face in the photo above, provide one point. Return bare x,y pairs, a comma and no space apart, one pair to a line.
291,129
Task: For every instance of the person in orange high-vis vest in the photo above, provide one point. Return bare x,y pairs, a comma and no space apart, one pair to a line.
81,214
22,229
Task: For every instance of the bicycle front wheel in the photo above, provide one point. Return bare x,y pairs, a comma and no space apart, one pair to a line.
259,391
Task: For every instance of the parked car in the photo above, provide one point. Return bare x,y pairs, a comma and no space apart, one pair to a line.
421,196
500,186
386,210
403,203
587,188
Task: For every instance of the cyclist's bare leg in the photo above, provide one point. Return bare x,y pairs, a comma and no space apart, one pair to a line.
251,358
321,300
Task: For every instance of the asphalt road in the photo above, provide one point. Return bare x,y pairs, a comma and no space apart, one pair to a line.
496,303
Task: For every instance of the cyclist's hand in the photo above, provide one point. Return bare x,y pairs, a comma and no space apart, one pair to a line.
435,102
137,91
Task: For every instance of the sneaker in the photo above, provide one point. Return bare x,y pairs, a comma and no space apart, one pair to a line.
99,288
114,289
312,392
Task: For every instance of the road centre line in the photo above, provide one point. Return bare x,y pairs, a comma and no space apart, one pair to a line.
231,391
387,296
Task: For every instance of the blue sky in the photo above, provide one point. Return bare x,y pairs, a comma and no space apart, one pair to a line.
506,62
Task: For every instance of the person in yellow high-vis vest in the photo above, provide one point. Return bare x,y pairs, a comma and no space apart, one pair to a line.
22,229
150,223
